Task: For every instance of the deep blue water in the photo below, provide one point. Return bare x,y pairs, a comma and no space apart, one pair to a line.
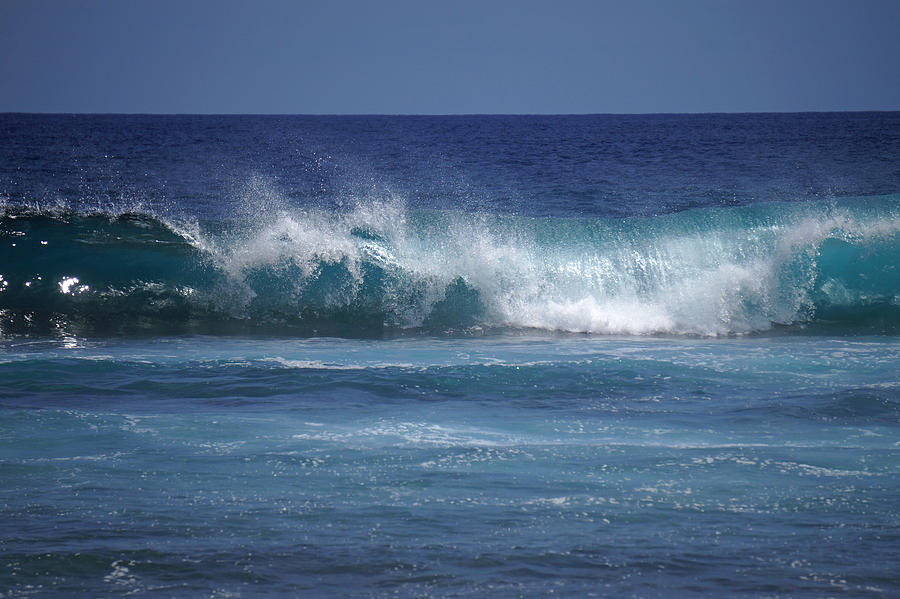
450,356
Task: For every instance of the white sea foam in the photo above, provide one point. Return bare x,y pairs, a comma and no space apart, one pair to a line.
714,273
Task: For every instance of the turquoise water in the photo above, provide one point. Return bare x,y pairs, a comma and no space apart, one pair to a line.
450,356
382,268
509,465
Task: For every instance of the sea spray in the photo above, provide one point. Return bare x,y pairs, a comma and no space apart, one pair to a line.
380,268
461,356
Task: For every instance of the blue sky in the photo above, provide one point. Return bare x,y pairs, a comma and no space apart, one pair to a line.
443,57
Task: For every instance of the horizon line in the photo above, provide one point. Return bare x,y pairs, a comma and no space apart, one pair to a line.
444,114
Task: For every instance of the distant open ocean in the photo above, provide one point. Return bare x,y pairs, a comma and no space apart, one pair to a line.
462,356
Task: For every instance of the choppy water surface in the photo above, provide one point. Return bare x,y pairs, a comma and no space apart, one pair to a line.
327,356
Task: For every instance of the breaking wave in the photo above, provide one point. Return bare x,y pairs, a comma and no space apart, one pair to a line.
382,269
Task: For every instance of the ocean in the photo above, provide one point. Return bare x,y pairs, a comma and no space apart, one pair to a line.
450,356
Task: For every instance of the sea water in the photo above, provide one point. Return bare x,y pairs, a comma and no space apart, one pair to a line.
450,356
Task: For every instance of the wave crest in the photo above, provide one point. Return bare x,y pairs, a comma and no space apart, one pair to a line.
381,269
